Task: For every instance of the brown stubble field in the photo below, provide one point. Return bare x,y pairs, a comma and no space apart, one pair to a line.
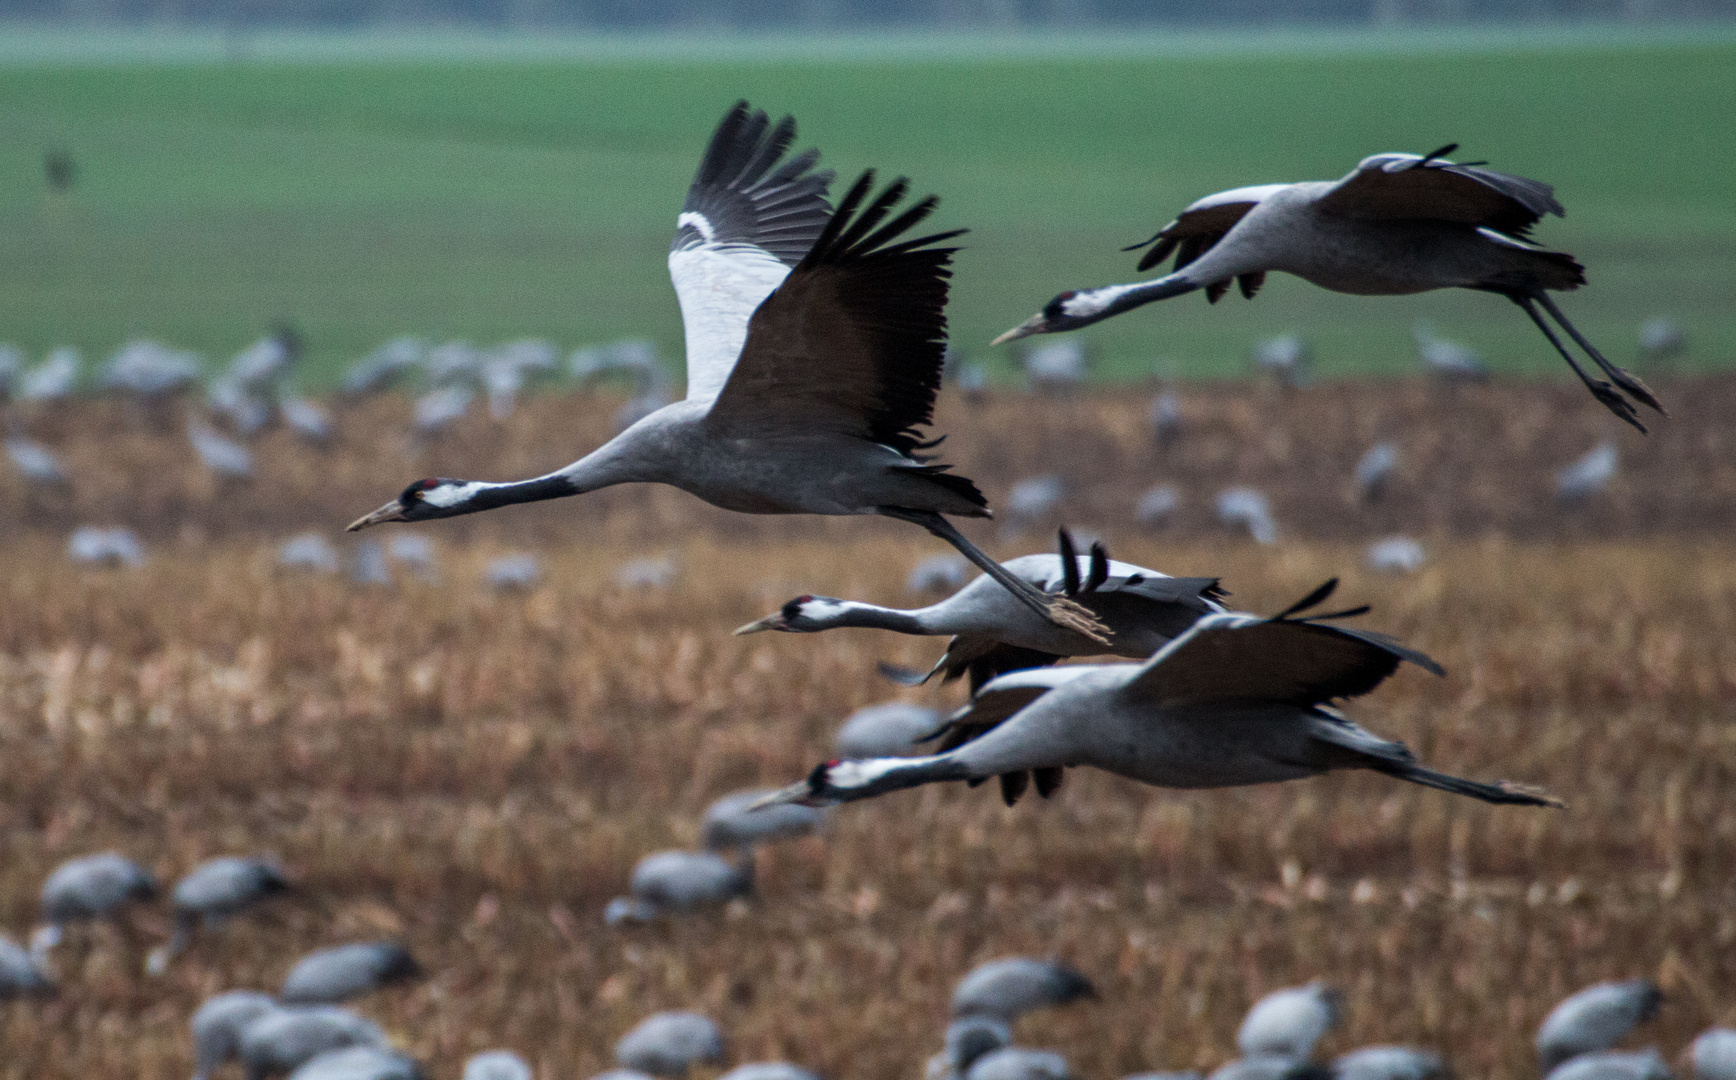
476,772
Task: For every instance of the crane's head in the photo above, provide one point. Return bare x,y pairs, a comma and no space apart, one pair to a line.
435,497
836,781
803,615
1057,315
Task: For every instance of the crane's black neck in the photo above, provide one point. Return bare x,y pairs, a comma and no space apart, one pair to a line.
489,496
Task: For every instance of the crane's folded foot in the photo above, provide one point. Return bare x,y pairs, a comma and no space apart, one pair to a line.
1636,389
1074,616
1525,795
1615,403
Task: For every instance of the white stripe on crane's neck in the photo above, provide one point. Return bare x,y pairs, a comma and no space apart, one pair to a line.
850,775
1086,304
447,496
699,222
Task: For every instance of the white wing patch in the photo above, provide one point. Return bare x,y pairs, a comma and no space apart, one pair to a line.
700,223
720,286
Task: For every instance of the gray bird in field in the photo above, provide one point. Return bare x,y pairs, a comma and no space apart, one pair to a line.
1662,338
814,346
384,365
21,973
50,380
1157,504
1395,555
105,547
1268,1067
1388,1063
1613,1065
938,574
731,822
211,893
1188,1074
221,455
1287,1023
674,882
1248,508
1031,500
442,406
1375,470
1286,358
1013,986
88,888
218,1024
309,551
1595,1018
310,420
1714,1054
1165,417
888,729
342,972
359,1063
497,1065
1452,361
967,1039
1056,367
519,570
768,1070
1587,475
1397,224
147,369
1019,1063
670,1043
282,1039
35,462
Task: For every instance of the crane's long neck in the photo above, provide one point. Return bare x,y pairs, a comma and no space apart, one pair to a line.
847,781
1096,305
612,463
842,613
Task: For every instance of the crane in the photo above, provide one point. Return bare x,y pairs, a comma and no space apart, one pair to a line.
814,355
1397,224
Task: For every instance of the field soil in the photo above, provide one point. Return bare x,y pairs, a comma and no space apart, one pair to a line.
475,772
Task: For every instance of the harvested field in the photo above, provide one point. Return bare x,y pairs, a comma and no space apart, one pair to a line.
476,772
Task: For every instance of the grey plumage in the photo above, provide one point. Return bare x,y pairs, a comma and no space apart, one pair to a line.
1375,470
342,972
1449,360
1662,338
1248,508
105,547
147,369
1056,367
368,565
670,1043
1395,555
1019,1063
1595,1018
887,729
937,574
1587,475
1714,1054
385,364
212,892
519,570
35,462
20,973
307,418
732,822
672,882
359,1063
1397,224
309,551
440,407
1157,504
282,1039
1013,986
221,455
768,1070
1235,699
1032,500
1287,1023
497,1065
1613,1065
1286,359
1270,1068
1165,417
94,887
217,1026
653,572
1388,1063
415,552
967,1039
50,380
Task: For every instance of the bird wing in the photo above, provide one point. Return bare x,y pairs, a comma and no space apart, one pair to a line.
1290,658
746,221
1201,225
852,341
1389,187
1003,697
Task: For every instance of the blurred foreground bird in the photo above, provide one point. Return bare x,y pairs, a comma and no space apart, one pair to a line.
1714,1054
674,882
328,976
814,349
211,893
1397,224
888,729
732,822
1388,1063
21,973
496,1065
1288,1023
1645,1064
768,1070
1234,700
670,1043
1595,1018
359,1063
1019,1063
217,1027
281,1039
1009,988
991,633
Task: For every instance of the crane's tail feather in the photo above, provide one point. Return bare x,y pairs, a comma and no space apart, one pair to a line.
1500,791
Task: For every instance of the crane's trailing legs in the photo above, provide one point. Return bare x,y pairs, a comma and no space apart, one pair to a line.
1063,612
1601,390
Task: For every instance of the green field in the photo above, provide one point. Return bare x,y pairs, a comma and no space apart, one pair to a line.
492,198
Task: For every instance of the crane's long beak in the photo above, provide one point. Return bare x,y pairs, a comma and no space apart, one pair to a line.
1036,324
392,511
774,621
799,793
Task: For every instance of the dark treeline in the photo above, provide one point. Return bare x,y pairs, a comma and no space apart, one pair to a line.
799,14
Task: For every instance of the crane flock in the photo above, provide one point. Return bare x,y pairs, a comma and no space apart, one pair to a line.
816,341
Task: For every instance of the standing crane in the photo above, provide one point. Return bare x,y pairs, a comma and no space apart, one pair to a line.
1141,610
1234,700
1397,224
814,351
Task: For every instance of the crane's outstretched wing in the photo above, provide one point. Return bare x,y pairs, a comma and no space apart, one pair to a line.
747,220
852,341
1409,186
1201,225
1290,658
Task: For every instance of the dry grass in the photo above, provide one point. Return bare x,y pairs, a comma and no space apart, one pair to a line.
477,773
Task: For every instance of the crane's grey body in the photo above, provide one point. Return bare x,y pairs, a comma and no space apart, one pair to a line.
1714,1054
90,887
1234,700
1594,1019
328,976
359,1063
967,1039
671,882
497,1065
218,1024
1613,1065
1397,224
1269,1067
669,1043
20,973
216,889
1019,1063
768,1070
1288,1023
734,822
1388,1063
279,1041
1141,609
1008,988
888,729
